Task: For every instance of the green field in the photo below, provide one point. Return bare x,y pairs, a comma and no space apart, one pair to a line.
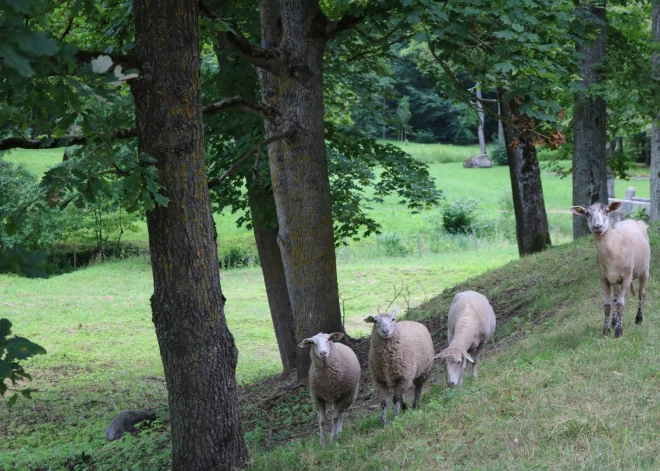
570,398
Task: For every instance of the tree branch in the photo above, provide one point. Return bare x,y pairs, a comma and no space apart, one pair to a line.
268,59
216,181
236,103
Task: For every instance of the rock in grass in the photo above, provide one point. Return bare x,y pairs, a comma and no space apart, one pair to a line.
126,422
479,161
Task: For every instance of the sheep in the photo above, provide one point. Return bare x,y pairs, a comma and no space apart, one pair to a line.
400,355
471,322
333,378
623,255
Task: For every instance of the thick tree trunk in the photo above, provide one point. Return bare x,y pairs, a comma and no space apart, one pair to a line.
531,219
262,207
589,133
655,130
299,167
198,351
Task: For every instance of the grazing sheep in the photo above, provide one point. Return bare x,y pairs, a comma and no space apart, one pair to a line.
471,323
401,354
623,255
333,377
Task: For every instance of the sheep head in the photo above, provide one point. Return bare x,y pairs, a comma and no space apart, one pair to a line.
597,216
322,344
384,323
455,362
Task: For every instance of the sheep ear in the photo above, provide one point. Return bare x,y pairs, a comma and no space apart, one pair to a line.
578,210
615,205
306,343
336,337
370,320
468,358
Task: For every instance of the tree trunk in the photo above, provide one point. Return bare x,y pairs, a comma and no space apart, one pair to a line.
198,351
299,167
262,208
480,129
500,126
531,219
238,77
589,133
655,129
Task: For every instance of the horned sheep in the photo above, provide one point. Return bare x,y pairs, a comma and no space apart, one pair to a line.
623,254
400,355
471,322
334,375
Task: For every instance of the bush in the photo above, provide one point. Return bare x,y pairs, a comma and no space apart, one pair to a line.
498,154
458,216
391,244
424,137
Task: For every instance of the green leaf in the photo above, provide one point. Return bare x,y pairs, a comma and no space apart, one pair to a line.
161,200
15,60
12,401
5,328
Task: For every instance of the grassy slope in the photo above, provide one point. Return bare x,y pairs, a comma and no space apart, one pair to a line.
552,393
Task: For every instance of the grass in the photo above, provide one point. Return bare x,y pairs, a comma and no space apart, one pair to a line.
570,398
552,392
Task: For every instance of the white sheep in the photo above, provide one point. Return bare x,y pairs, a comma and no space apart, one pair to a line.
400,355
623,255
333,378
470,324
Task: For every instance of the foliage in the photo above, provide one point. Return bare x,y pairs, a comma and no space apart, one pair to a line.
498,154
12,351
458,215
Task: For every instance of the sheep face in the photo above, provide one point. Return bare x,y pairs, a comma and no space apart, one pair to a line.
455,362
322,344
597,216
384,322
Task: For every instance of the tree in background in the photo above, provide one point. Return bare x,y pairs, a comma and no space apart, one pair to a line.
655,130
518,48
589,122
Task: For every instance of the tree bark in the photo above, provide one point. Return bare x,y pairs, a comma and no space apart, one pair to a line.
480,129
531,219
262,208
299,167
198,351
655,129
589,132
238,77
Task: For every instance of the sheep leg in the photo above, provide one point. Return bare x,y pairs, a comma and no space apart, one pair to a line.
642,299
323,420
607,306
615,291
620,303
382,395
418,382
399,403
337,417
477,354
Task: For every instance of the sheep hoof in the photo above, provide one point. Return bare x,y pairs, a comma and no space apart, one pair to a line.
606,331
639,319
618,332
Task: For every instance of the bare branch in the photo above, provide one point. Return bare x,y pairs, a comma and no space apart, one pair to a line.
237,103
239,162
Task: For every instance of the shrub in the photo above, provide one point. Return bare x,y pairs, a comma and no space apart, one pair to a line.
391,244
498,153
458,216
